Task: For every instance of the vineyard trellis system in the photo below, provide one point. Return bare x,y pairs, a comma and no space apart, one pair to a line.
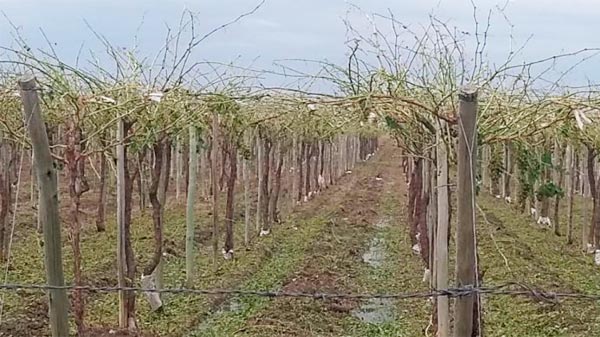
141,123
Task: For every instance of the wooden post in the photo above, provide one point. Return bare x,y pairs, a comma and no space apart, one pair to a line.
246,202
507,170
570,166
215,187
49,217
178,168
441,238
189,211
204,174
465,231
559,162
121,250
485,168
293,168
585,240
432,216
259,170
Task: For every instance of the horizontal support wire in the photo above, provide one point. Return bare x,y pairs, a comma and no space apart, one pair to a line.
507,289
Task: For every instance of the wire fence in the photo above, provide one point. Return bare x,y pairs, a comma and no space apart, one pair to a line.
506,289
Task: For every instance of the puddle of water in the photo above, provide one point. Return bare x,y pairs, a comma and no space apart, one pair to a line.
376,254
375,311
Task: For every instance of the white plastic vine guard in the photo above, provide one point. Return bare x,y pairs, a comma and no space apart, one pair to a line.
544,221
590,248
264,232
149,282
508,200
533,212
597,257
426,275
416,248
107,99
371,117
321,181
228,255
155,96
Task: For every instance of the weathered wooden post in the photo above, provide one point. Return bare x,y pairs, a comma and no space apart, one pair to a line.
121,249
465,231
49,217
190,224
570,166
441,237
259,170
215,187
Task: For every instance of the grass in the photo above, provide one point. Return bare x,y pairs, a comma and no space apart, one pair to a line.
319,248
535,257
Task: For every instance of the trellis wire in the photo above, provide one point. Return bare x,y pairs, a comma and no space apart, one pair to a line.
508,289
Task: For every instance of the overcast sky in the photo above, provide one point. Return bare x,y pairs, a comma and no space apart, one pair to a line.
310,29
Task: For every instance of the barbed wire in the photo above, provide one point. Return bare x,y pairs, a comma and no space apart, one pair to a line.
507,289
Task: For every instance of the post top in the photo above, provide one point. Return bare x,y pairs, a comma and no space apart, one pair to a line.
27,82
467,93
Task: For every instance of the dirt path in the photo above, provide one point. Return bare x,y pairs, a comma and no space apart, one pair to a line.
350,238
364,247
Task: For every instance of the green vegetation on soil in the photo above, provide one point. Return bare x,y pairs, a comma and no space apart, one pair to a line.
319,248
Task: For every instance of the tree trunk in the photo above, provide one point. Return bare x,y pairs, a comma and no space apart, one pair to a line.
559,155
77,186
300,166
264,207
316,167
414,198
276,188
247,219
125,256
309,154
102,194
5,196
330,158
294,169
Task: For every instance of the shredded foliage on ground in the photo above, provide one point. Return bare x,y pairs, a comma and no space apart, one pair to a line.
319,248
